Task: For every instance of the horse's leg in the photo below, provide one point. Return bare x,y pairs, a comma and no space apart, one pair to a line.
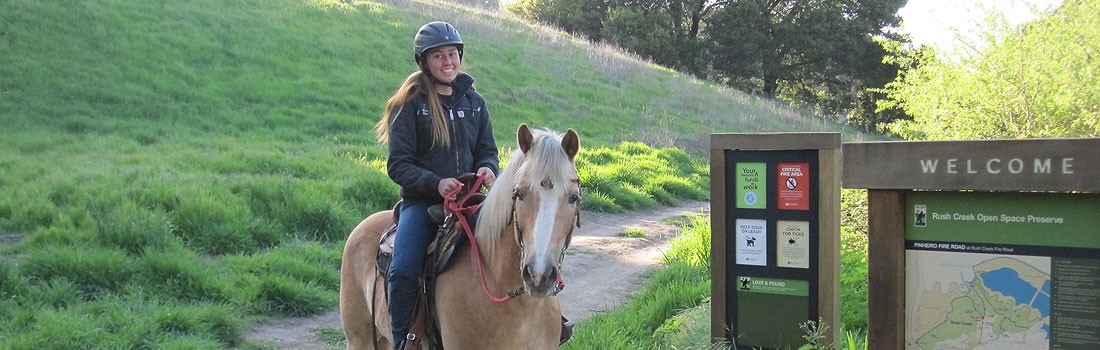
366,322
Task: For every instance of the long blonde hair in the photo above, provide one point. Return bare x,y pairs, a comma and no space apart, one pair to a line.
418,83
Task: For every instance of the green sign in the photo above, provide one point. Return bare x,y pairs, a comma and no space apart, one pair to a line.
1032,219
1004,270
771,310
748,284
751,186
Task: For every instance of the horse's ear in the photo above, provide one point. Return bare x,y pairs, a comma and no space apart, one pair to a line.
571,143
524,138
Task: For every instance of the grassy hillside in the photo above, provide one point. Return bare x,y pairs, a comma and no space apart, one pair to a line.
170,171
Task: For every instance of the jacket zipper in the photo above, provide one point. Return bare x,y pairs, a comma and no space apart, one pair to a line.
454,140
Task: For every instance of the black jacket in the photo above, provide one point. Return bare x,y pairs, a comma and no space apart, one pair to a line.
416,166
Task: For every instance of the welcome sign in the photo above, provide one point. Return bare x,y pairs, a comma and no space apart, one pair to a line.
981,244
989,165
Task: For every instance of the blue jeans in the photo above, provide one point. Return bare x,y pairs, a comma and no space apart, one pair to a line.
415,231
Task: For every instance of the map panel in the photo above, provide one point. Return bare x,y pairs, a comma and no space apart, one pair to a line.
977,301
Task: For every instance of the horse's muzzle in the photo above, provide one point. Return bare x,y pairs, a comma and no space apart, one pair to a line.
542,283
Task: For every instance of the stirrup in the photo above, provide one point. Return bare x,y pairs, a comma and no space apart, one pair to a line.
566,330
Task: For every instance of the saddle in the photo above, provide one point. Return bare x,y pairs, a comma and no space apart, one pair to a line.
448,238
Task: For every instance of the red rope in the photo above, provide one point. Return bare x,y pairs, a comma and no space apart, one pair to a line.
455,206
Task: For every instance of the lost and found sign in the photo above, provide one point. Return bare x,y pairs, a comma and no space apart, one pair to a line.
1003,270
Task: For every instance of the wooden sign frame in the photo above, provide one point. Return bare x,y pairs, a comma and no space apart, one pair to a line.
827,221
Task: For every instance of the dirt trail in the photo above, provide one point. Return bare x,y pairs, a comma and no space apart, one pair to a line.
601,270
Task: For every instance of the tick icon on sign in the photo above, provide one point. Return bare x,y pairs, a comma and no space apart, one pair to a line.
792,183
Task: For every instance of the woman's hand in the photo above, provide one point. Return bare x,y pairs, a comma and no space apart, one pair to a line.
489,177
448,187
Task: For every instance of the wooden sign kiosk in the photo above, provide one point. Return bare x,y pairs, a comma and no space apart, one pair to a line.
981,244
775,223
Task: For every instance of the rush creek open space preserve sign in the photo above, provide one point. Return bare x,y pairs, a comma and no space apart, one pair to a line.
1003,270
981,244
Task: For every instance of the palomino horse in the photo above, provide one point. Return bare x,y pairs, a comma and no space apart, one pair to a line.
525,225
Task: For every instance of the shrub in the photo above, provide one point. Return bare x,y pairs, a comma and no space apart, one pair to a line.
693,246
92,270
681,162
133,229
599,202
11,284
681,187
217,320
634,148
59,292
182,275
214,223
633,198
279,295
306,262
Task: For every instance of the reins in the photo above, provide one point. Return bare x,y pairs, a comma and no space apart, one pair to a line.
455,205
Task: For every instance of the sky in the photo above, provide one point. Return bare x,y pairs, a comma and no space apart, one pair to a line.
934,22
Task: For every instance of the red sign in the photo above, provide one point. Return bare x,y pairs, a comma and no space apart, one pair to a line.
793,186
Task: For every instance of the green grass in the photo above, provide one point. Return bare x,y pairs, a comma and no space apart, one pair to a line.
632,326
632,233
692,245
635,176
853,259
648,320
171,171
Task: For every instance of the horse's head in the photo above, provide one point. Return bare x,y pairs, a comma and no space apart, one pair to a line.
546,200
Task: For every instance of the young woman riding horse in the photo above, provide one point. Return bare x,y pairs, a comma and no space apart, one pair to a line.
525,225
437,127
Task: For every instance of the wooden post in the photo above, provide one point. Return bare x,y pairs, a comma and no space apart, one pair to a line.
718,245
886,270
830,166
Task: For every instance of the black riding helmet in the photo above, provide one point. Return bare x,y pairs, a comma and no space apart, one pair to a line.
433,35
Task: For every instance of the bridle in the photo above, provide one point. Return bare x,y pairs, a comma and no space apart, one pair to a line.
455,206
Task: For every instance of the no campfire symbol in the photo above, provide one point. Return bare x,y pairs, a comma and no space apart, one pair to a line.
794,192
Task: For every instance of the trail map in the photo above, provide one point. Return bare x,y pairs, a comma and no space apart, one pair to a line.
977,301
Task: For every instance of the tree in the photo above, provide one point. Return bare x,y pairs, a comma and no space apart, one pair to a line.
662,31
1037,80
822,53
580,17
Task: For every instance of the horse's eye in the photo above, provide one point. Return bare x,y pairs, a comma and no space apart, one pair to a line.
574,199
518,195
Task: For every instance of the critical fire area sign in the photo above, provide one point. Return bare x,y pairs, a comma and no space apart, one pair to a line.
793,186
